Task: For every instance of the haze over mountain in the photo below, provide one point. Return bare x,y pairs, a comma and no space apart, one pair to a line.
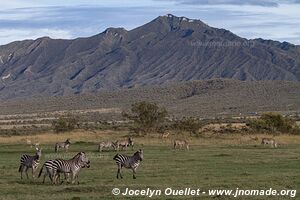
165,50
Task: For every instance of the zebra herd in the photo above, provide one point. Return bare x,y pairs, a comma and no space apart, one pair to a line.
71,168
123,144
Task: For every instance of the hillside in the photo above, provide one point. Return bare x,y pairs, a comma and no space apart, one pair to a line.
210,98
168,49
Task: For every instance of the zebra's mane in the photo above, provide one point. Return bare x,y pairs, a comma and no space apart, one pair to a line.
137,153
77,155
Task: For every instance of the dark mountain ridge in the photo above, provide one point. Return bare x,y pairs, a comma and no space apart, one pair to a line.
166,50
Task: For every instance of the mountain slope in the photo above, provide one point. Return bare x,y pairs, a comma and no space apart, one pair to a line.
167,49
209,98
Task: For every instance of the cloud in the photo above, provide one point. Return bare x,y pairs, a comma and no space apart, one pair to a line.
263,3
269,19
9,35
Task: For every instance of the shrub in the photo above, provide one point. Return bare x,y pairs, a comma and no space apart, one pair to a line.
146,116
188,124
63,124
275,123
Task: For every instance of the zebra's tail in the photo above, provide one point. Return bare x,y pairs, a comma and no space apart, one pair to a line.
116,156
20,168
41,170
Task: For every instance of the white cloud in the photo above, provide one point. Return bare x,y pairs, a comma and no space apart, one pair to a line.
21,19
8,35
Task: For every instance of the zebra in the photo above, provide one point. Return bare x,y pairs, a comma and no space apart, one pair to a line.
181,143
28,161
165,135
125,143
270,141
107,145
50,167
129,162
64,145
71,166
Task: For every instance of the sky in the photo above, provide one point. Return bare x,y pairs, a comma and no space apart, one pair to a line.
67,19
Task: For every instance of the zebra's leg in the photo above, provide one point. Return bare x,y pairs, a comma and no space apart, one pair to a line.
53,176
21,170
73,177
26,171
119,172
32,172
45,174
49,174
134,172
77,178
66,175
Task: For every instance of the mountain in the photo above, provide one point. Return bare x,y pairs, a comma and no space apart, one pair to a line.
165,50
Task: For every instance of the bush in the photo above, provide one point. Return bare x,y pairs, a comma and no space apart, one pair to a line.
63,124
275,123
146,116
188,124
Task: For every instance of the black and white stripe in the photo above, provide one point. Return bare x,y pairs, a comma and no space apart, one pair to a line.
129,162
50,167
28,161
65,145
72,166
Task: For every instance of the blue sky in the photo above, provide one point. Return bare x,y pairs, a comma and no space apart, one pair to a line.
30,19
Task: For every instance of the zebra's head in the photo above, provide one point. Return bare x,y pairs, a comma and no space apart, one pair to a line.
38,152
139,154
84,159
68,141
130,141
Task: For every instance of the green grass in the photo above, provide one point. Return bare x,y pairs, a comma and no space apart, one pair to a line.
204,167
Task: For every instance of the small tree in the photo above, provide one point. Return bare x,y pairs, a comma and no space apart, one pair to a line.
63,124
146,116
271,122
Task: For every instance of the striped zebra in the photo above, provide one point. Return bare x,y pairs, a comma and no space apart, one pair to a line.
129,162
125,143
65,145
270,141
50,166
28,161
181,143
108,145
72,167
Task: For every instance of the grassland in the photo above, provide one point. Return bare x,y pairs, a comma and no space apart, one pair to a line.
223,162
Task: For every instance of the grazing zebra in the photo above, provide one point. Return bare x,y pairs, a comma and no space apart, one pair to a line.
270,141
125,143
107,145
181,143
129,162
65,145
71,166
28,161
